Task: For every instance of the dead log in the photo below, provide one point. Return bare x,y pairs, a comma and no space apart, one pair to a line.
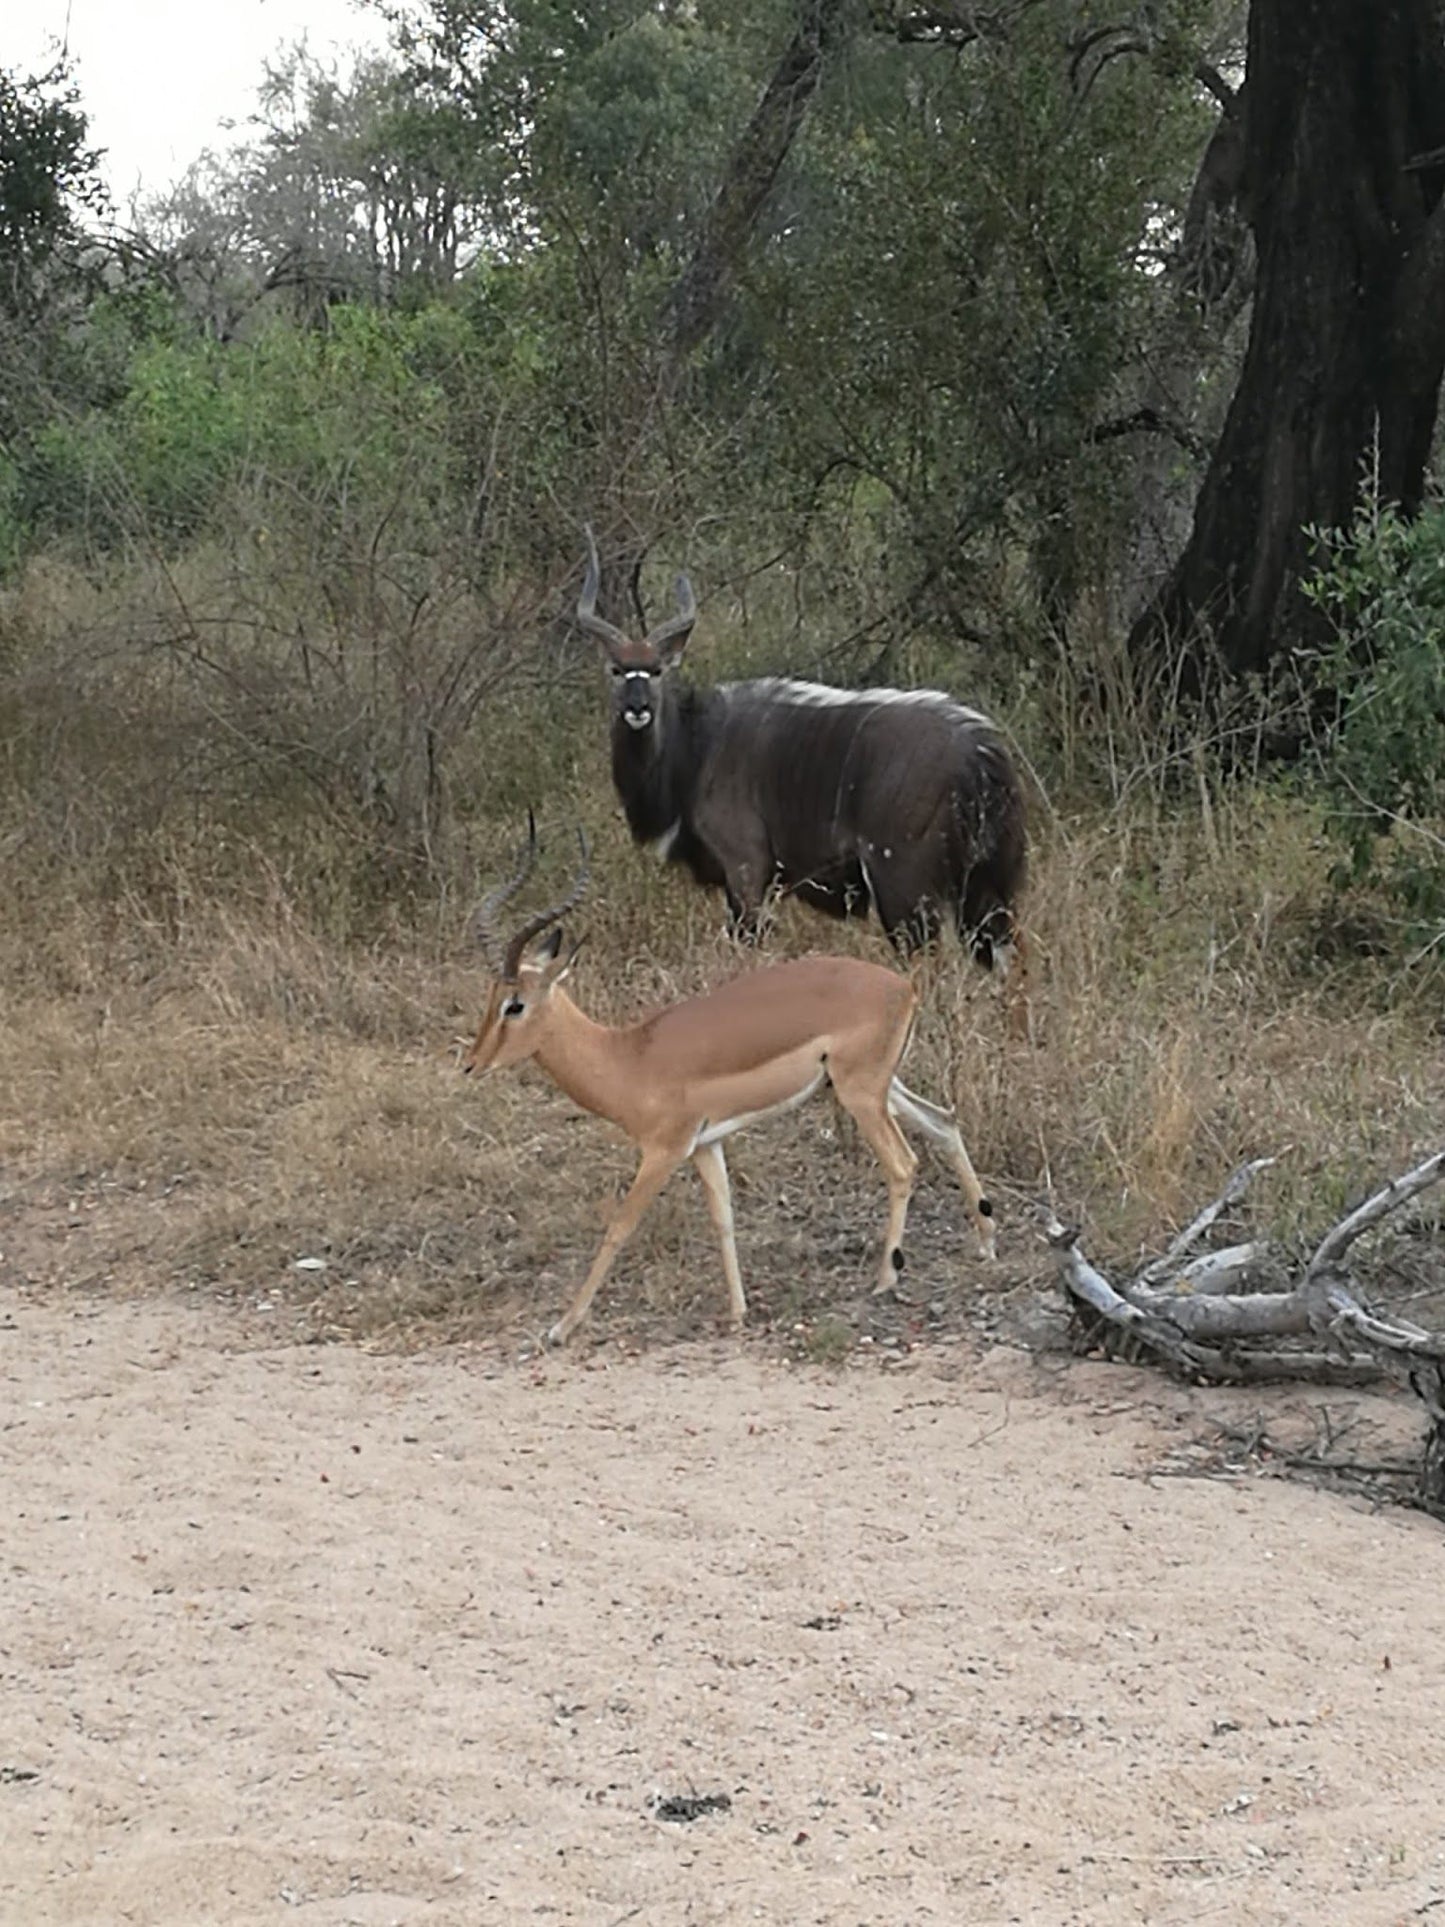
1191,1313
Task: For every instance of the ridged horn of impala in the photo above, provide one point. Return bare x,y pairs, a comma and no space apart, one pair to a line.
544,919
587,616
484,923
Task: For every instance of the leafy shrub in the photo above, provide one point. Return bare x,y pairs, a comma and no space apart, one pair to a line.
293,418
1381,584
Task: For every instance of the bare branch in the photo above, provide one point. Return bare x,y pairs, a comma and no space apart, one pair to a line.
1090,1284
1148,420
1396,1335
1213,82
1106,44
1238,1183
1388,1198
1221,1271
1207,1332
1088,1287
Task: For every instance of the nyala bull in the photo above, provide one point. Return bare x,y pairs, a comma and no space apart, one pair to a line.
903,802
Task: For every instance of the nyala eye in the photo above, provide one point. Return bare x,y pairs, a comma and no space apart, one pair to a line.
513,1007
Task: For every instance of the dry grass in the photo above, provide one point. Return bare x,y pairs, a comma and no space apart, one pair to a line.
207,1096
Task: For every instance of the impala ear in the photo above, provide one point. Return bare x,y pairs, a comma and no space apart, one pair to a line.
547,952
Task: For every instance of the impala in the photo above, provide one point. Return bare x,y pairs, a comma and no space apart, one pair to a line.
681,1080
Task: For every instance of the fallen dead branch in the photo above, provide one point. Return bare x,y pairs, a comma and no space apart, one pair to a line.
1204,1315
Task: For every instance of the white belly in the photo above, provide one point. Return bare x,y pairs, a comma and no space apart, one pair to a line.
724,1127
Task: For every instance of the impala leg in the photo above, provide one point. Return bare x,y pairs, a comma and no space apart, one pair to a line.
895,1154
712,1169
652,1174
940,1128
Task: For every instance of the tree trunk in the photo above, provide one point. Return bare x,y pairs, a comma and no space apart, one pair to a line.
1342,184
701,292
698,299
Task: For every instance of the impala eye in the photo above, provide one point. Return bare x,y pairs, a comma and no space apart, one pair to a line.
513,1007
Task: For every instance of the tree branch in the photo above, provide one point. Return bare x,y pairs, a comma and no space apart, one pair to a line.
955,23
1147,420
697,300
1235,1187
1336,1242
1214,237
1207,1331
1213,82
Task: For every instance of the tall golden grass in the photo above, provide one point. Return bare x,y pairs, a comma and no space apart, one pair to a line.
291,1097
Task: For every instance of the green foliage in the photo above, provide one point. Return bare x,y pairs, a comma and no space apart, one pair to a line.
944,299
329,436
48,182
292,421
603,125
960,302
47,176
1381,583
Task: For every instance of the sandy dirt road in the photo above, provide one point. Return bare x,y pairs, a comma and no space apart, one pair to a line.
306,1635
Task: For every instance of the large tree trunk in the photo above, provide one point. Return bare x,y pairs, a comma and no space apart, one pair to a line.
1342,183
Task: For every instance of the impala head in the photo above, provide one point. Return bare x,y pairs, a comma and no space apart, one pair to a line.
637,668
519,999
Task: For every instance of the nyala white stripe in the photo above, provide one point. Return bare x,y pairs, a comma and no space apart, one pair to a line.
819,695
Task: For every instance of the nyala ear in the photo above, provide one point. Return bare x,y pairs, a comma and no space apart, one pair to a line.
670,649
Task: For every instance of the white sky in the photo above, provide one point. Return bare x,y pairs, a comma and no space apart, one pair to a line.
158,78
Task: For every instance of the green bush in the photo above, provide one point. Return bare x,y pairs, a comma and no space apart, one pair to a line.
1381,761
298,417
